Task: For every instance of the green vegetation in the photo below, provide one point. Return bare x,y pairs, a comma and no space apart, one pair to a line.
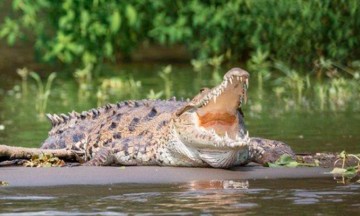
23,73
287,161
3,183
42,92
164,74
292,90
347,173
84,79
91,31
259,63
115,87
44,160
303,48
154,95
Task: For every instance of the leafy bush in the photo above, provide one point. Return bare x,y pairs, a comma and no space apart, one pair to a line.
295,32
72,30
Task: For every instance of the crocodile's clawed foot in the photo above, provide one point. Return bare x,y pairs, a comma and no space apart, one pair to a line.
263,151
103,157
79,156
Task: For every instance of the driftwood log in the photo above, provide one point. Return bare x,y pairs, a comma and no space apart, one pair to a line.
15,153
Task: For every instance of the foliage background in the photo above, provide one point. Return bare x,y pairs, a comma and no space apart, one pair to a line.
85,32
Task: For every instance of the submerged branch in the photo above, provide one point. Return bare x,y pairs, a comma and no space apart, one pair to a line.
327,160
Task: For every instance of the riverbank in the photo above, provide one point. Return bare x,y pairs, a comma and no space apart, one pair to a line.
60,176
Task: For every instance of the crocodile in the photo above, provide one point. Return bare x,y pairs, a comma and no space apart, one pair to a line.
207,131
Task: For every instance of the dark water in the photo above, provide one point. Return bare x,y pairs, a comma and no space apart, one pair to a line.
260,197
305,128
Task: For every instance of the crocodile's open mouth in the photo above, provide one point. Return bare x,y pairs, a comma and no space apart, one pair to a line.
212,118
219,107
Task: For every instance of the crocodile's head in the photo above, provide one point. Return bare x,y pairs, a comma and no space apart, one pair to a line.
211,120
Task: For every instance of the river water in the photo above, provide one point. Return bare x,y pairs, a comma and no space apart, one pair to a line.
270,197
304,126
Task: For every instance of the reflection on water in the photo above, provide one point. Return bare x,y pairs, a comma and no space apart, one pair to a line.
320,196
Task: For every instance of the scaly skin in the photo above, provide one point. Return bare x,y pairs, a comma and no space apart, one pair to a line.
206,131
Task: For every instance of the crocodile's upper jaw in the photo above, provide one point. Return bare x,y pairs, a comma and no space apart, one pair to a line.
221,112
211,119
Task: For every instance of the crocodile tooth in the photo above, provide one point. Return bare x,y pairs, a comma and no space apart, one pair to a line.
215,99
247,82
239,78
213,132
230,80
217,137
218,93
225,83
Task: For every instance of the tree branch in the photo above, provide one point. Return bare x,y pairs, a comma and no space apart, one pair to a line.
12,152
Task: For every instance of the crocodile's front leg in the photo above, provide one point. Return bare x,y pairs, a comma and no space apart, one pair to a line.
128,151
103,157
265,150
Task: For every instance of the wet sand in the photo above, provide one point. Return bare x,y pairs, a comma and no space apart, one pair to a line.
59,176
